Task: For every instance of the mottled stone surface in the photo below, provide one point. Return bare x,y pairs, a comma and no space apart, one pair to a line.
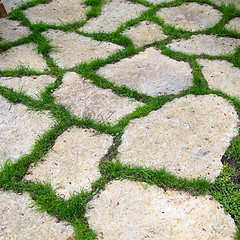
72,48
57,12
132,210
20,221
150,72
73,162
159,1
227,2
234,24
205,44
19,129
22,56
86,99
113,14
145,33
221,74
30,85
188,136
13,4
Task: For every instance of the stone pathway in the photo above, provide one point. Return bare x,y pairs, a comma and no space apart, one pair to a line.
144,85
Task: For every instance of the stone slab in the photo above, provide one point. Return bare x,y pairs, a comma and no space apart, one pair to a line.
13,4
227,2
187,136
132,210
150,72
72,48
86,99
234,24
20,221
159,1
113,14
191,16
81,149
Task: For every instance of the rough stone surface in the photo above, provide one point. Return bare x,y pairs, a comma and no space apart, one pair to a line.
159,1
31,85
12,30
73,162
130,210
13,4
150,72
145,33
22,56
86,99
205,44
222,75
227,2
188,136
113,14
234,24
191,16
19,221
73,48
19,129
57,12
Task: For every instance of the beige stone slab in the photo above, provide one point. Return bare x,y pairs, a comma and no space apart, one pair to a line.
86,99
187,136
150,72
13,4
191,16
159,1
22,56
72,48
205,44
18,220
234,24
113,14
145,33
57,12
19,129
73,162
132,210
31,85
227,2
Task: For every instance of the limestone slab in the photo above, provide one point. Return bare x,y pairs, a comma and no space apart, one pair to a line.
234,24
145,33
86,99
20,221
57,12
205,44
113,14
72,48
187,136
22,56
150,72
13,4
159,1
227,2
19,129
132,210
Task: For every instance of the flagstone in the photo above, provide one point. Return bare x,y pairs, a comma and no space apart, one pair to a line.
234,24
13,4
158,1
227,2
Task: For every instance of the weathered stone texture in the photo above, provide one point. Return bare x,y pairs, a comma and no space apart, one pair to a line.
234,24
227,2
13,4
159,1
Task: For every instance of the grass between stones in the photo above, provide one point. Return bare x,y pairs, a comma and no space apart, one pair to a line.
226,189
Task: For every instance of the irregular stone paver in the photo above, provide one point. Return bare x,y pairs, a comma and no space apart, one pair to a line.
191,16
22,56
222,75
30,85
234,24
20,221
188,136
145,33
86,99
73,162
150,72
57,12
227,2
128,210
205,44
19,129
159,1
13,4
73,48
113,14
12,30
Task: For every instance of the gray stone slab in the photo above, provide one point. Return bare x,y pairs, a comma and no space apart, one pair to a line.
191,16
13,4
114,13
57,12
158,1
234,24
227,2
19,129
145,33
18,220
81,149
72,48
150,72
132,210
86,99
205,44
188,136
